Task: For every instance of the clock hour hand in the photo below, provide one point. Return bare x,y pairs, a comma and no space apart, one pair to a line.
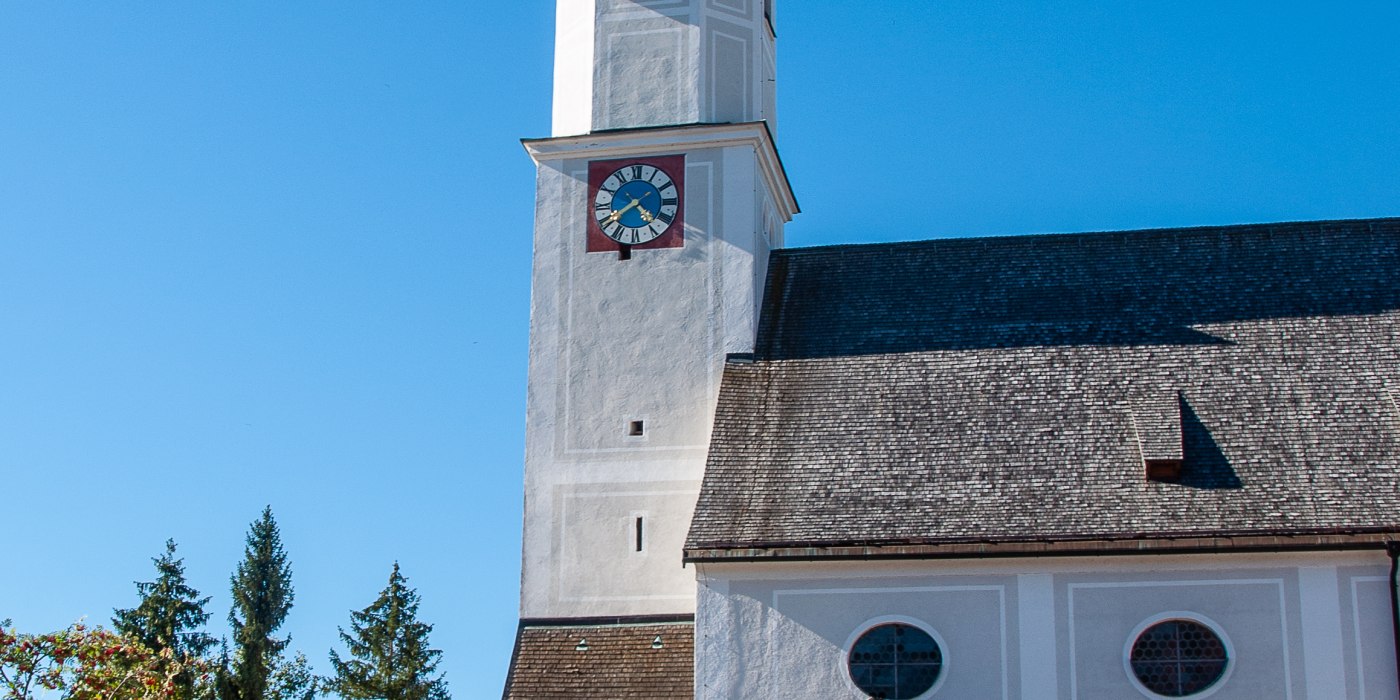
613,217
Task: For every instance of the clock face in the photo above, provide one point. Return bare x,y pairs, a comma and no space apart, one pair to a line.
636,204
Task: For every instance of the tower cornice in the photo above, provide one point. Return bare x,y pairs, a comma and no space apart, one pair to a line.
673,139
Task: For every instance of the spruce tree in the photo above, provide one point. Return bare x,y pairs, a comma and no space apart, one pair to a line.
392,659
293,680
169,615
223,675
262,597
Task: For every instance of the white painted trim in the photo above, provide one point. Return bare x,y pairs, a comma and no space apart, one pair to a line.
678,139
743,13
560,538
1324,665
765,65
1001,613
606,79
624,598
872,623
1356,629
1035,626
1283,618
747,107
1179,615
572,218
714,282
681,451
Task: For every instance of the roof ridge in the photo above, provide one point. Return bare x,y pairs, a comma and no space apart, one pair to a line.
1002,237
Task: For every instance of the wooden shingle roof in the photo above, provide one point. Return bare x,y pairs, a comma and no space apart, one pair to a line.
972,394
651,661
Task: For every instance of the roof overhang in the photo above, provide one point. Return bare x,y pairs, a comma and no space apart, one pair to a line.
1180,544
670,139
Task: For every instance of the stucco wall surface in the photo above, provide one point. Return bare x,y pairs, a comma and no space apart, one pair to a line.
615,342
635,63
1298,626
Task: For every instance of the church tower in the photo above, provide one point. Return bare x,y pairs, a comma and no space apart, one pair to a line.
659,195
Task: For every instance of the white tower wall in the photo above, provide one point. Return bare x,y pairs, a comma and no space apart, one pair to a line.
622,64
617,341
626,351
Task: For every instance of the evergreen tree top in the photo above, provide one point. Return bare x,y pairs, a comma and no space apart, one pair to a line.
170,613
262,585
391,656
262,597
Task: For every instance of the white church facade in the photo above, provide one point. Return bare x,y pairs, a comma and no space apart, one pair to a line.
1083,466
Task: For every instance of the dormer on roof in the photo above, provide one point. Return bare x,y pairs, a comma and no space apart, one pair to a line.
1157,423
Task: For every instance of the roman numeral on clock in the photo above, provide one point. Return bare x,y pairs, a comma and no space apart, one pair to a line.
635,203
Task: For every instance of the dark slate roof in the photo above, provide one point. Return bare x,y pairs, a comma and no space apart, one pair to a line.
620,662
1009,390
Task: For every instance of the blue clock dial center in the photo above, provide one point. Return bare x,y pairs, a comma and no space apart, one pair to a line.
636,204
648,201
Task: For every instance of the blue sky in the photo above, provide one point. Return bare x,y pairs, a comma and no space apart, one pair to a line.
258,253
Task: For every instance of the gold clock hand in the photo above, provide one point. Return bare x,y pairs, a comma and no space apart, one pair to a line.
613,217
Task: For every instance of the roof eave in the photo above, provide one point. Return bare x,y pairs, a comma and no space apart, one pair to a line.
1257,542
617,143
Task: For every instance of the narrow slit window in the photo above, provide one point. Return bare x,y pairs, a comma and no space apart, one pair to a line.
639,533
636,428
624,252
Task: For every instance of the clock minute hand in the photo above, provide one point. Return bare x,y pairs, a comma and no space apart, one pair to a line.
647,216
613,217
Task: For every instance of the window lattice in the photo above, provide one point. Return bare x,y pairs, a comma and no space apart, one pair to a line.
895,662
1177,658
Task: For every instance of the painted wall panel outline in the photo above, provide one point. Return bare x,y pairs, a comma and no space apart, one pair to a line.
1000,591
1278,583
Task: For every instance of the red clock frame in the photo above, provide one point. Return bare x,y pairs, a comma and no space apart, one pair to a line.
599,170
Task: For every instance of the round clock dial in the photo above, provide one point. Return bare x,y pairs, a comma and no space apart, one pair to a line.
636,204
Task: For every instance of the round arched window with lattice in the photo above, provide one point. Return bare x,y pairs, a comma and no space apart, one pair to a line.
1178,658
895,661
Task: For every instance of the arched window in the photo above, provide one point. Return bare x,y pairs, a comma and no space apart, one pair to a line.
895,661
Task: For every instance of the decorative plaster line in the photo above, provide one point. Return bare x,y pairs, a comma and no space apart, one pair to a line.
674,139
